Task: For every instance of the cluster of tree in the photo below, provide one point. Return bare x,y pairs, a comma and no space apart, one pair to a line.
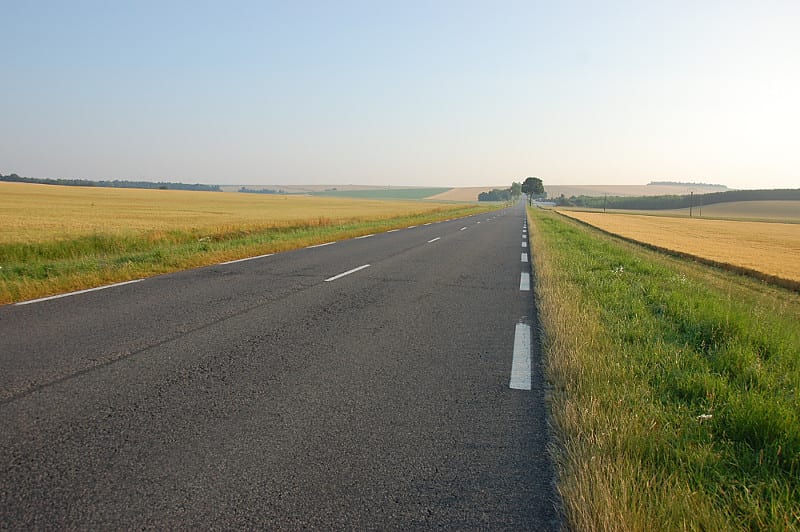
261,191
14,178
496,194
532,186
677,201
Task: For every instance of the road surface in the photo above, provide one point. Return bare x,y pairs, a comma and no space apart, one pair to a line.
375,383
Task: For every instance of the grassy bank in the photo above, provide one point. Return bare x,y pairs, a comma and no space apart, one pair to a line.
59,239
676,387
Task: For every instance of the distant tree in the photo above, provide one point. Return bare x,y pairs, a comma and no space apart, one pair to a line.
533,186
516,189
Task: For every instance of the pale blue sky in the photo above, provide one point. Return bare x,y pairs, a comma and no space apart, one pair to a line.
402,93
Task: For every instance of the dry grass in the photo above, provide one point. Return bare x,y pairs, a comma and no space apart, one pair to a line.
769,248
40,213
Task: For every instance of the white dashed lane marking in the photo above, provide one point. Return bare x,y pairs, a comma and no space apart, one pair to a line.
348,272
525,281
521,360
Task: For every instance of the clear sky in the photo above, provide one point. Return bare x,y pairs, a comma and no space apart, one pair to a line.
449,93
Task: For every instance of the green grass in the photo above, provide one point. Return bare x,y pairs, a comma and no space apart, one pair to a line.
36,269
389,194
676,387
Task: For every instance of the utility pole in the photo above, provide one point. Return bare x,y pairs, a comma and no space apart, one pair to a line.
605,200
691,202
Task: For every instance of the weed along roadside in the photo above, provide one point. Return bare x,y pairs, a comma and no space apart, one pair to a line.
91,238
676,386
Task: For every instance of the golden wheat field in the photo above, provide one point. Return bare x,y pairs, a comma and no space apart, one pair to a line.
37,213
770,248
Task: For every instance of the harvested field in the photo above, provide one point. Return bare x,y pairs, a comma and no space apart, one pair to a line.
462,193
769,248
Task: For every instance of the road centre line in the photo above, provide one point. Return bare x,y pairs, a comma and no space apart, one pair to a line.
320,245
245,259
348,272
521,358
463,229
59,296
525,281
434,239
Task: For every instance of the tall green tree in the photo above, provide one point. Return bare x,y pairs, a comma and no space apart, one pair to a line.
533,186
516,189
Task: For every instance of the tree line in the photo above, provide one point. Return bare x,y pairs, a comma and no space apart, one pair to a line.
162,185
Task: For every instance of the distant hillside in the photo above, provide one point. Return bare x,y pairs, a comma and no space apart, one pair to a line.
678,201
718,188
554,191
163,185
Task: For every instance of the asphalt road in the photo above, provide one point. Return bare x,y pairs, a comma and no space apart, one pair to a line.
273,393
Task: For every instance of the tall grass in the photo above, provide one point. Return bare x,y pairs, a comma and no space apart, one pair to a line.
34,269
675,387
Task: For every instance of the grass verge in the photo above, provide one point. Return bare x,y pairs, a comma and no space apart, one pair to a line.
30,270
676,387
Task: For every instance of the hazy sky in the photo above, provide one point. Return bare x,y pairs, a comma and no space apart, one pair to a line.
403,93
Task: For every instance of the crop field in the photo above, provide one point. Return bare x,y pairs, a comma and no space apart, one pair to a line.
55,238
675,387
384,193
772,249
463,193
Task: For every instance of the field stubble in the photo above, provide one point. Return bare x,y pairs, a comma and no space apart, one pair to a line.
56,239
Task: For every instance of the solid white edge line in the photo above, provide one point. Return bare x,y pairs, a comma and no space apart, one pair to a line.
524,257
429,223
525,281
245,259
59,296
521,358
348,272
434,239
320,245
